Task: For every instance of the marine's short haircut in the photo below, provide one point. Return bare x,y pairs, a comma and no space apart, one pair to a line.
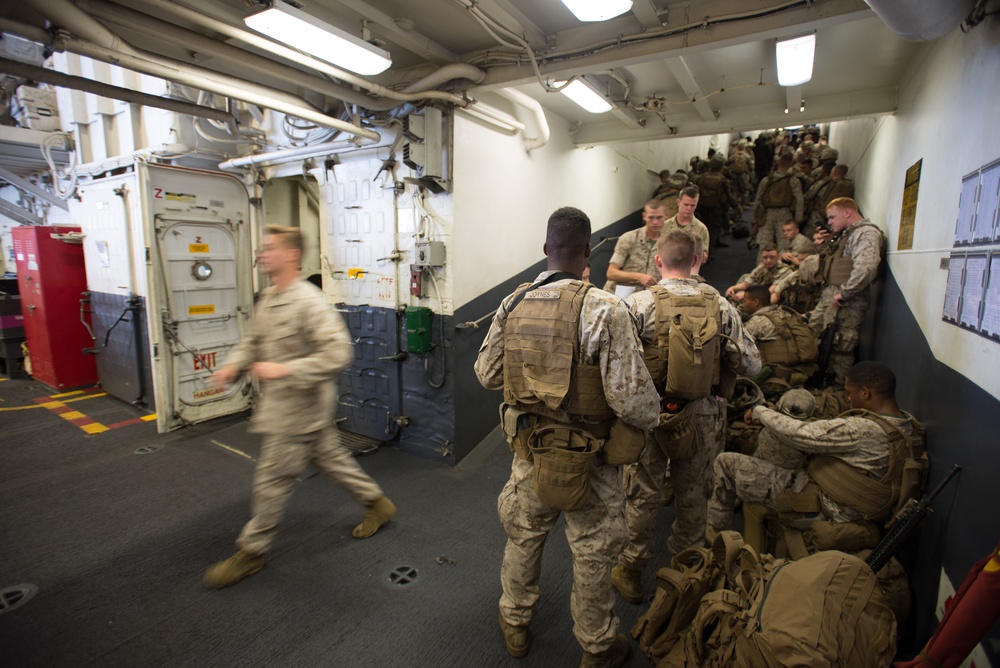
875,376
690,191
676,250
843,203
290,237
655,203
768,247
839,170
785,160
568,232
758,292
664,172
792,221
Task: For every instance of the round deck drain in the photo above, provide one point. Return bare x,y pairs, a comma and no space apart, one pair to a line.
146,449
403,576
15,597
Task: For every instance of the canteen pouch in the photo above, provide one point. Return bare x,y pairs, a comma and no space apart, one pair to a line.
517,426
562,457
676,434
624,445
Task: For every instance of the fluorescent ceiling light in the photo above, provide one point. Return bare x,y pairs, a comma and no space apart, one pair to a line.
597,10
584,94
795,60
294,27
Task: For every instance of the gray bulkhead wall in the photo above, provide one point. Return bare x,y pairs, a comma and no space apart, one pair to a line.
946,376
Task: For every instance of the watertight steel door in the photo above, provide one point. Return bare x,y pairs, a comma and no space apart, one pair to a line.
200,267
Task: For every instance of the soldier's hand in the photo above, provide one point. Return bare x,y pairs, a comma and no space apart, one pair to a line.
838,300
775,297
748,416
269,370
647,281
224,376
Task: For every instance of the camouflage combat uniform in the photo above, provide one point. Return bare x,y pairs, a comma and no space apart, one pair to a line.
761,275
695,228
691,477
775,217
295,414
636,252
857,440
863,244
596,532
799,244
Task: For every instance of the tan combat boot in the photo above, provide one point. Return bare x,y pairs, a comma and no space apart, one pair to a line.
380,512
612,657
232,570
515,637
626,581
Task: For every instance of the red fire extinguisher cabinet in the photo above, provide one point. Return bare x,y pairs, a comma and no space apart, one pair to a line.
51,277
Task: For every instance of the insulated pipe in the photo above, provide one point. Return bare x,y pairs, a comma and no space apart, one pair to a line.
495,118
214,82
446,74
54,78
148,25
65,14
253,39
291,154
530,103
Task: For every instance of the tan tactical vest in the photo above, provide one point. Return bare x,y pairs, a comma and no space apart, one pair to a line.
836,268
710,185
684,359
876,499
778,191
543,372
796,343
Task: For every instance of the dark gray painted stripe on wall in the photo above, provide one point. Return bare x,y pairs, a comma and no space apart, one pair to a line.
963,423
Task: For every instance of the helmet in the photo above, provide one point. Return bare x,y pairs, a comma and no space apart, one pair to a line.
798,403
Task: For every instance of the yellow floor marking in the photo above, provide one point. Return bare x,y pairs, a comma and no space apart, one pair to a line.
20,408
66,394
94,428
233,450
72,415
148,418
55,404
89,396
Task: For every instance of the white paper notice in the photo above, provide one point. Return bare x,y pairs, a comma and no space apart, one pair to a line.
987,210
966,210
624,291
991,314
972,290
956,266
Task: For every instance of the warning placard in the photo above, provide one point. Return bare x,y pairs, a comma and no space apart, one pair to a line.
198,248
201,309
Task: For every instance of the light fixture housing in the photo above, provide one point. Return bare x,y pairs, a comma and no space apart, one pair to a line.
795,59
597,10
292,26
586,95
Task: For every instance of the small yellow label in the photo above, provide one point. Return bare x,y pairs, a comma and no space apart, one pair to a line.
198,248
204,309
355,272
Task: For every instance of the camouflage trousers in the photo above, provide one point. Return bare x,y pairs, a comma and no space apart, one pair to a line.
770,230
282,459
595,534
750,480
849,318
691,480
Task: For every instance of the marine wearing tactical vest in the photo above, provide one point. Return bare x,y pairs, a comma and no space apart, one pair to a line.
788,348
715,199
861,466
847,272
779,197
694,346
577,402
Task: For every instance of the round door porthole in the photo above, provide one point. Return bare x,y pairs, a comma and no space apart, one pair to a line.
202,271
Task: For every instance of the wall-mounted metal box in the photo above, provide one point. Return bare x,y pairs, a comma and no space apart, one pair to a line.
418,329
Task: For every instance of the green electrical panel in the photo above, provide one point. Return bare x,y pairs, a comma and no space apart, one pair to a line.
418,329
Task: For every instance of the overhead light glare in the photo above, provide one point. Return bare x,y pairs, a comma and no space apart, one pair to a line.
803,107
597,10
795,59
296,28
584,94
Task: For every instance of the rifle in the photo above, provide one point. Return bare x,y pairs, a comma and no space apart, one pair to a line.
822,377
908,519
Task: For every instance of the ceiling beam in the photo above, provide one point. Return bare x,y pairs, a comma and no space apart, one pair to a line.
29,187
514,20
695,40
18,213
645,12
679,68
793,98
410,40
825,109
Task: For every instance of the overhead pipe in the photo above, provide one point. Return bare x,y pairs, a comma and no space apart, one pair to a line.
530,103
293,154
248,37
65,14
190,75
154,27
54,78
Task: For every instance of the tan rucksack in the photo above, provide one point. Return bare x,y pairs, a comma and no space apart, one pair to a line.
684,360
778,191
796,343
823,610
